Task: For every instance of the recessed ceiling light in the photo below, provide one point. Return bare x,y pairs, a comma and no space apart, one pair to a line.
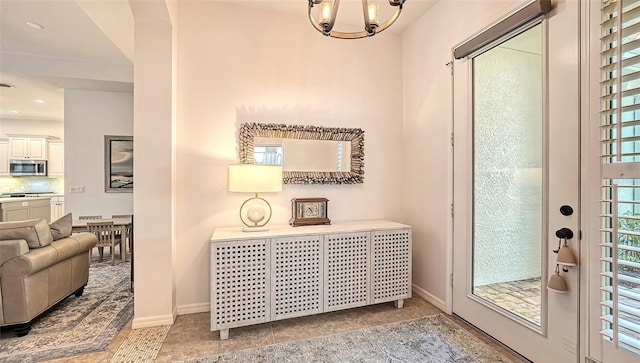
39,101
33,25
15,112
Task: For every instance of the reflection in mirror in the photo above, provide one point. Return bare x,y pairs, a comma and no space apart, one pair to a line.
303,155
309,154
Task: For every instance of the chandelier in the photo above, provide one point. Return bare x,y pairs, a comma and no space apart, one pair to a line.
370,12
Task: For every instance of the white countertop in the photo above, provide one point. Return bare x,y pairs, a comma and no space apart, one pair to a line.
236,233
22,199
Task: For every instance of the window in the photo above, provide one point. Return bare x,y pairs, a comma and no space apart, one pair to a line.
268,155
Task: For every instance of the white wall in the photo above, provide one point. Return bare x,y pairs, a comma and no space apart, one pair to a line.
155,262
89,116
31,127
427,95
237,65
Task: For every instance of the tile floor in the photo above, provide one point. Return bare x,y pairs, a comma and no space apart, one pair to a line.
520,297
190,335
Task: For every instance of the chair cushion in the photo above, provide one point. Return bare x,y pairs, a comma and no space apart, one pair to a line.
61,228
35,231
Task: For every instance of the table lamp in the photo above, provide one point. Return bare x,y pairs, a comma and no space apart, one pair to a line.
255,212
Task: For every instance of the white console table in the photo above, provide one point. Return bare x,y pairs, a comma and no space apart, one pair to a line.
287,272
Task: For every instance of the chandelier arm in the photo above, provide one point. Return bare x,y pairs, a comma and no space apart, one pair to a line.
364,34
367,21
343,35
334,14
390,21
314,22
326,30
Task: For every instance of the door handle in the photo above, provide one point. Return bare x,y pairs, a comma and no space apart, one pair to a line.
564,233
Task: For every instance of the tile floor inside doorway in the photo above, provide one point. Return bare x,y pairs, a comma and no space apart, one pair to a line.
520,297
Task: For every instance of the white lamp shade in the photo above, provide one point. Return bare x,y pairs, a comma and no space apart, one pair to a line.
251,178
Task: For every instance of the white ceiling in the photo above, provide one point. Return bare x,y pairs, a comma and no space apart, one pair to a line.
70,51
88,44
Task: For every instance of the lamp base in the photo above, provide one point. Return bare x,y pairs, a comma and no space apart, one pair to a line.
254,229
255,213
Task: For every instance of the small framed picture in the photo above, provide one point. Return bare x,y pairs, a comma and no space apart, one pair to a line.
309,211
118,164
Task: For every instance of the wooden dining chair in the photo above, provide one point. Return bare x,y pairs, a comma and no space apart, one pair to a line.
130,216
129,230
89,217
106,238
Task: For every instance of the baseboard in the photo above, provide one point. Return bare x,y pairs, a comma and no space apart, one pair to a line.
206,307
194,308
429,297
152,321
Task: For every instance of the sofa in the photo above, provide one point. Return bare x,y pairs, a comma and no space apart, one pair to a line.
40,265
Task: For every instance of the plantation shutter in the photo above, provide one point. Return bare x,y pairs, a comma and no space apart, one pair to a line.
620,154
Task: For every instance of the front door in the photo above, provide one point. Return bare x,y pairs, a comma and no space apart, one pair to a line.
516,187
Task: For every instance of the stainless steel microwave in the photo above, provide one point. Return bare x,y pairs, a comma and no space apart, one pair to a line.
19,167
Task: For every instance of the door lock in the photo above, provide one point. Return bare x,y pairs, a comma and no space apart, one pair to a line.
566,210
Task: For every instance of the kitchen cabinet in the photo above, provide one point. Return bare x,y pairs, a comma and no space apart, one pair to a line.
4,157
55,163
28,148
57,208
289,271
26,209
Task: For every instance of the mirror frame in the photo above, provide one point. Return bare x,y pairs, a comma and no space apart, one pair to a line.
251,130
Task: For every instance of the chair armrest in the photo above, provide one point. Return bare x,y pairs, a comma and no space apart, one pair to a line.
12,248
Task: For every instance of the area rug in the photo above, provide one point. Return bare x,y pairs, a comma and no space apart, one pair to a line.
429,339
77,325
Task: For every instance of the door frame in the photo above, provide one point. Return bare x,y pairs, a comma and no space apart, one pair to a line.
575,113
590,168
451,168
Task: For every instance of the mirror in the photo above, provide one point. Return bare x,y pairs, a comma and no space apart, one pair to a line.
302,155
308,154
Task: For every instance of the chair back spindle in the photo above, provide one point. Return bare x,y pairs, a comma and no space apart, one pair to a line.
89,217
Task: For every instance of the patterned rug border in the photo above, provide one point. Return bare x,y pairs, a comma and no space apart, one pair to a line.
93,330
466,337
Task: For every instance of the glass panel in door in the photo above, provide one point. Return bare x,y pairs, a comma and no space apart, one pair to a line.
507,175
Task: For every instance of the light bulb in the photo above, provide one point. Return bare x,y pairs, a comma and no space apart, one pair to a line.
373,14
325,12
